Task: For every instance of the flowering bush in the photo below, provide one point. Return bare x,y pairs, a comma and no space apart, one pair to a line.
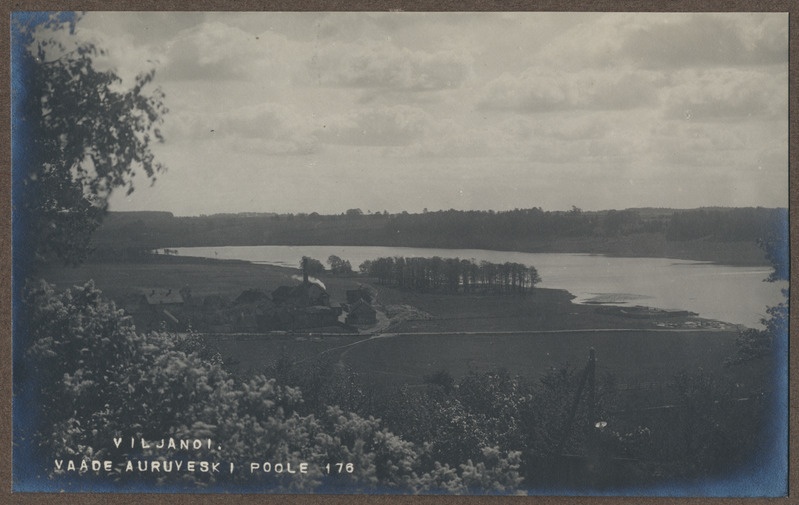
99,380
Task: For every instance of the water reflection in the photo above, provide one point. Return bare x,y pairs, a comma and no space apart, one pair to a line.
732,294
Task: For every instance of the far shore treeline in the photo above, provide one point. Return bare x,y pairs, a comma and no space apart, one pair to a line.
723,235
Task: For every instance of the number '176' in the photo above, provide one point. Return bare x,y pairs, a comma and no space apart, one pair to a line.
340,468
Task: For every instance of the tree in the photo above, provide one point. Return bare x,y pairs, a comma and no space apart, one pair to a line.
312,266
755,344
97,378
78,135
338,265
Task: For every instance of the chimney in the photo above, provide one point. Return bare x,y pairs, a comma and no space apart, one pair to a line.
305,270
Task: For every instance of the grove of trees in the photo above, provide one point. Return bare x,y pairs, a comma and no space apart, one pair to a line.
339,266
452,275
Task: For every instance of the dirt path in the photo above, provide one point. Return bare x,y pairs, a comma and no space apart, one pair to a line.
347,347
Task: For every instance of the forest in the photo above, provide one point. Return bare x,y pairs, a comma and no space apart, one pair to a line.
726,235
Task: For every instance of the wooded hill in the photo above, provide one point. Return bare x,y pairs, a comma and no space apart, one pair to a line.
725,235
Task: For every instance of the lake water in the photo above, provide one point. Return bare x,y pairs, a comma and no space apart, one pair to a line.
726,293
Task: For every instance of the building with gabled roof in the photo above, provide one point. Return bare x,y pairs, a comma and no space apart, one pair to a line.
162,296
361,313
151,308
302,295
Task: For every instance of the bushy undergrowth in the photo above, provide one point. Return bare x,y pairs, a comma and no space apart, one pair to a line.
98,379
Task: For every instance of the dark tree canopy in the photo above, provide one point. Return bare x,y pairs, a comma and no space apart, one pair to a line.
338,265
312,266
79,135
452,275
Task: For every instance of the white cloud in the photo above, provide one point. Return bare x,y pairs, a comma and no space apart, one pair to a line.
582,127
543,89
630,105
709,40
741,163
670,40
725,93
217,51
267,128
383,65
378,126
119,53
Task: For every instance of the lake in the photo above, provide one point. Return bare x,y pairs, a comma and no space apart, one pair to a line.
732,294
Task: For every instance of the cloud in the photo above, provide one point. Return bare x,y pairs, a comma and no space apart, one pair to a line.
685,143
670,41
144,28
728,93
121,53
351,26
383,65
582,127
709,40
215,51
266,128
274,127
526,139
543,89
535,102
379,126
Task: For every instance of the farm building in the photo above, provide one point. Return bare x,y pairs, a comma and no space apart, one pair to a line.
362,293
361,313
306,305
160,297
315,317
153,307
301,295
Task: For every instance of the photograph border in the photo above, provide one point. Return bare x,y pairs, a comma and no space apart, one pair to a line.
6,245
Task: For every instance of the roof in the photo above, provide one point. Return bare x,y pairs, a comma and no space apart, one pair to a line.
318,309
362,293
162,296
362,307
316,290
301,293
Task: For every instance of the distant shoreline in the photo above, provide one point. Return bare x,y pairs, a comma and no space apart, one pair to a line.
725,236
737,254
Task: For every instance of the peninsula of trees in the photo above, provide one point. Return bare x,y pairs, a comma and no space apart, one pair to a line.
452,275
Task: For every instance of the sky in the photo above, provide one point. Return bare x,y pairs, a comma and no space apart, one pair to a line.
323,112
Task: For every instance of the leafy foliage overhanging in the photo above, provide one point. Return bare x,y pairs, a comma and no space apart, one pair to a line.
82,134
100,379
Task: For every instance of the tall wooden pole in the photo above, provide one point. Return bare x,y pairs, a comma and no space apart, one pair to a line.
588,376
591,372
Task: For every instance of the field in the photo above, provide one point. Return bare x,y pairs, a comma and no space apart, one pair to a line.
457,333
204,277
632,357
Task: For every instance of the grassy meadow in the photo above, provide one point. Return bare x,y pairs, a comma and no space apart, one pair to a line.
459,333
